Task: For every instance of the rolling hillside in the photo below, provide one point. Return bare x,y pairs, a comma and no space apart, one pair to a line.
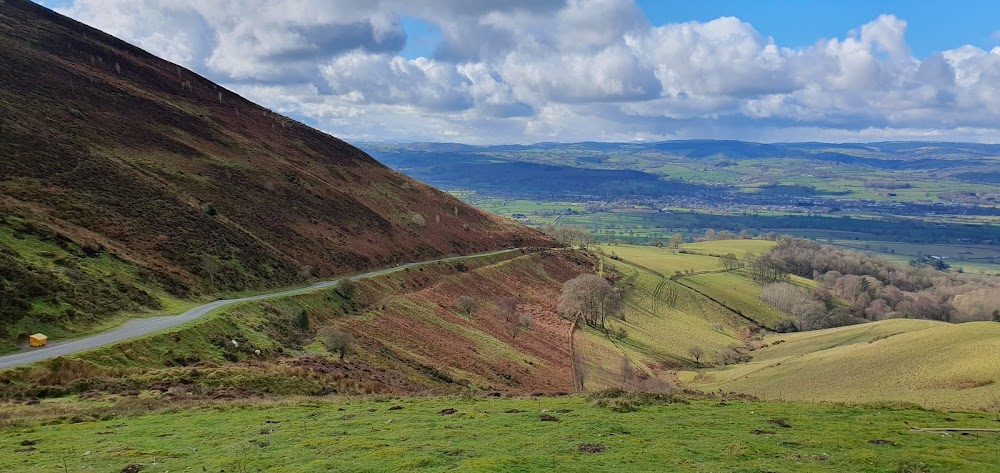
128,183
927,363
931,364
667,314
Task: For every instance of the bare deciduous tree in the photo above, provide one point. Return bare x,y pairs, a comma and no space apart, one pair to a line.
696,353
628,372
211,266
582,369
589,298
676,240
569,234
507,307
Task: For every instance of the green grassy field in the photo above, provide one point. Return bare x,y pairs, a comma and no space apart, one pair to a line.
737,292
722,247
662,260
482,434
932,364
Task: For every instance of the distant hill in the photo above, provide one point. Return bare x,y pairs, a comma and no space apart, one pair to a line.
124,176
644,168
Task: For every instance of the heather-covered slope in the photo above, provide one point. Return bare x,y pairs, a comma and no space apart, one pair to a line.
408,334
178,186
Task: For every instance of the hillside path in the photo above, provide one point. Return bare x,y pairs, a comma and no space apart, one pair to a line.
145,326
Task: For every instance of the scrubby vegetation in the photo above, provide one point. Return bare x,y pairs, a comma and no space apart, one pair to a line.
48,282
388,334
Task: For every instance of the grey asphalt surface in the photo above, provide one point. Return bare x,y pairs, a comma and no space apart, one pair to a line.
140,327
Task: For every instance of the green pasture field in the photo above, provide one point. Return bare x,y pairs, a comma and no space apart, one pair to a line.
663,260
722,247
486,434
662,332
739,293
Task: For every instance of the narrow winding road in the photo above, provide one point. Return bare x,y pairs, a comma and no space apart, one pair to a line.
139,327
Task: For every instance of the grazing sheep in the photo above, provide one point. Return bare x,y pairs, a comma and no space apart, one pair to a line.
256,352
236,344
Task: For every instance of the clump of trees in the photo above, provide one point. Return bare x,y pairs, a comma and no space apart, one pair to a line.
853,287
568,234
981,304
732,355
711,234
590,299
807,312
765,269
730,261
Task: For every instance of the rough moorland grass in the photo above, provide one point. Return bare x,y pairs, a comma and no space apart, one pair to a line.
271,341
344,434
925,363
87,292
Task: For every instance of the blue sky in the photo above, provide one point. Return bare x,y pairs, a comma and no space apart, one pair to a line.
933,25
501,71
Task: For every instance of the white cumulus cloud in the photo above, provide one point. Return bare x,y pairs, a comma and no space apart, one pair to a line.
534,70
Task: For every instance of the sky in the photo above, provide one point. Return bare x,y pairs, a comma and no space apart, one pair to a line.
525,71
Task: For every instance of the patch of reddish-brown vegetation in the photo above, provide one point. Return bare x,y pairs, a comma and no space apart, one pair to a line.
108,145
423,333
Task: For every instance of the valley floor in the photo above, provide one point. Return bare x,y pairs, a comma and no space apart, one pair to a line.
485,434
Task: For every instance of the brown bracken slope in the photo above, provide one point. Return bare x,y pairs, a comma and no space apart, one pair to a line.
111,152
102,136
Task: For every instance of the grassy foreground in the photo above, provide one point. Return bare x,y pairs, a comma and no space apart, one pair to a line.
352,434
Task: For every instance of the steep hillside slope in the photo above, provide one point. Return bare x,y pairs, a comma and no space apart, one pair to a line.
407,330
111,153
